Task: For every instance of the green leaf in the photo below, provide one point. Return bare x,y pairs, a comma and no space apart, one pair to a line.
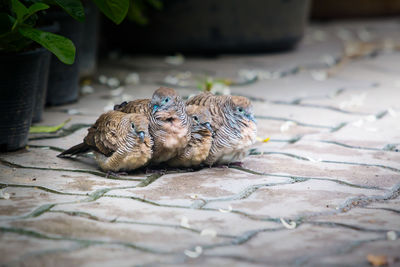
115,10
47,129
74,8
136,12
36,7
19,9
61,47
157,4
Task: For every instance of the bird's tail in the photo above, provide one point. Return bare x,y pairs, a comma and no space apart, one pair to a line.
75,150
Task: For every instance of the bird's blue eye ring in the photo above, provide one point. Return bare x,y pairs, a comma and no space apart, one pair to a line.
240,109
196,118
166,100
133,125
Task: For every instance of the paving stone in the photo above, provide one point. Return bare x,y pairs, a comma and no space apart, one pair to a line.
358,256
295,200
98,255
366,133
46,158
220,261
215,183
144,237
367,101
359,175
274,129
64,142
27,201
19,250
326,118
391,205
60,181
364,218
323,152
291,88
132,212
290,247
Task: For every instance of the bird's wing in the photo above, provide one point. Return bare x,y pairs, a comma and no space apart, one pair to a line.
202,99
102,136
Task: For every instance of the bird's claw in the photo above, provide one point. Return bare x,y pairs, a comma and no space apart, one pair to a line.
116,174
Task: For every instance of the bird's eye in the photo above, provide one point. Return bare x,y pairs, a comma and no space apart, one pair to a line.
133,125
196,118
241,110
166,100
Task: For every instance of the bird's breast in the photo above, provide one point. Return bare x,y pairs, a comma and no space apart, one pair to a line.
249,135
176,134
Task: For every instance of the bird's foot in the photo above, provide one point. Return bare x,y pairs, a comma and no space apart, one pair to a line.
236,164
152,171
183,169
116,174
221,166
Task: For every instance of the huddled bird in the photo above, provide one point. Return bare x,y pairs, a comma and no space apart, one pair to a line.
200,142
206,130
119,141
169,124
233,123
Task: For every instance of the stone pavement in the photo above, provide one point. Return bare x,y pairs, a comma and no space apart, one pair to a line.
324,190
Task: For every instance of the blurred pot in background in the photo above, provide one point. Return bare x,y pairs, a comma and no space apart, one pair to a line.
88,54
331,9
40,97
63,85
211,26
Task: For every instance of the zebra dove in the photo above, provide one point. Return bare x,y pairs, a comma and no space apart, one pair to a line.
234,126
200,142
120,142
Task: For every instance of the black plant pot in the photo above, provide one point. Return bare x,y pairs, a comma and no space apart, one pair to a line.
19,76
63,86
88,55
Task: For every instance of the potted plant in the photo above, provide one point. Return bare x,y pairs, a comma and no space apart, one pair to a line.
22,48
21,55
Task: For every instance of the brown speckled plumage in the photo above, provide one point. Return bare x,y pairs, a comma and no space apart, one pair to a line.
200,142
233,123
169,124
140,106
120,142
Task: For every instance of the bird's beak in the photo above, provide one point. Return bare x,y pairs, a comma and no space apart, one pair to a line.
208,126
141,136
251,117
155,108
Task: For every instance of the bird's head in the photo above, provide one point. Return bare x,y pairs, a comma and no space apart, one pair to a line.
201,118
139,126
242,108
163,99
